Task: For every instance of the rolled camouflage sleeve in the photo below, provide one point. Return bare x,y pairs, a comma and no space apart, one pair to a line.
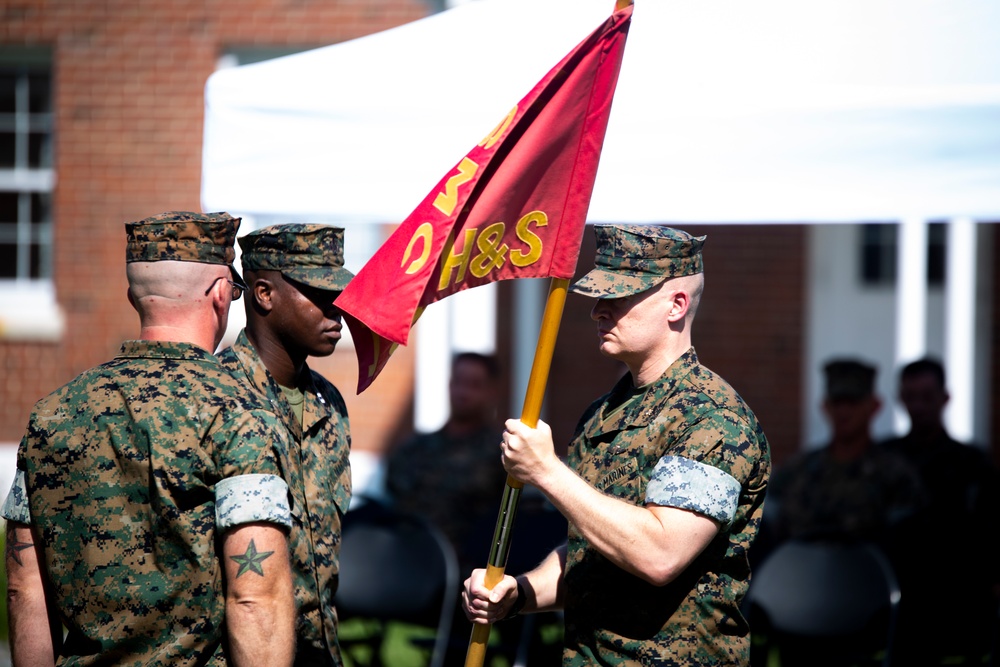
725,441
251,498
689,485
254,443
15,507
252,458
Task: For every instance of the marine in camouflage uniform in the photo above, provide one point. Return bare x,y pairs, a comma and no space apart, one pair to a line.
453,481
950,539
673,440
453,476
311,258
851,489
131,473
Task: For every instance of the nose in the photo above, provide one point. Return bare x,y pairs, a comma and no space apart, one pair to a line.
599,310
332,312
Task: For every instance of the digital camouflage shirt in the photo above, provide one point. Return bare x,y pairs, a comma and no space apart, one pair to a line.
455,482
686,441
118,472
820,496
320,484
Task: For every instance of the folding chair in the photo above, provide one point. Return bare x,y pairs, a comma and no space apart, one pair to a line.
824,603
395,567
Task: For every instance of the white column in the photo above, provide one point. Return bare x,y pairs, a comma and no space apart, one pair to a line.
960,327
529,300
433,361
462,322
474,320
911,298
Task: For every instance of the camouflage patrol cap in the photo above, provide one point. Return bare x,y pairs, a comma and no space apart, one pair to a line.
849,379
634,258
311,254
182,236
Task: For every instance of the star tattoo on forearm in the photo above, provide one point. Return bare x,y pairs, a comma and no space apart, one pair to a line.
252,560
15,547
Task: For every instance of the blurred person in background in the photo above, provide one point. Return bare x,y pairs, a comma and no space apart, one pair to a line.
453,477
949,573
850,489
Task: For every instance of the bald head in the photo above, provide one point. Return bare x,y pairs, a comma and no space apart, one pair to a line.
171,295
171,284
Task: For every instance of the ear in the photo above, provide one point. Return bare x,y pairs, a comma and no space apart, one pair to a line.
218,295
262,291
680,302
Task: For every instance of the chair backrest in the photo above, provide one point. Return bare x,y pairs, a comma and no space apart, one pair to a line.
396,566
825,589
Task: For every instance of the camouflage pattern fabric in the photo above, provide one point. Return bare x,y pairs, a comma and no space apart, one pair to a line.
182,236
120,467
820,496
454,482
307,253
320,483
688,420
634,258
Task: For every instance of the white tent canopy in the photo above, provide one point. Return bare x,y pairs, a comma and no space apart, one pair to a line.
726,111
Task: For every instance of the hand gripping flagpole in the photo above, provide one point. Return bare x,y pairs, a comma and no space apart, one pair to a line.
500,548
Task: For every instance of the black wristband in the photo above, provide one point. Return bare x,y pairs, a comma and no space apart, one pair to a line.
519,603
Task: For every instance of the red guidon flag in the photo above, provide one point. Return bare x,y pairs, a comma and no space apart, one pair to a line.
513,207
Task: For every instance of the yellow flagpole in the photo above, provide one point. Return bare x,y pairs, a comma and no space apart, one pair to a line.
530,412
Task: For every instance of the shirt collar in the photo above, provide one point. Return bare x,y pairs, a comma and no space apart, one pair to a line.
658,394
158,349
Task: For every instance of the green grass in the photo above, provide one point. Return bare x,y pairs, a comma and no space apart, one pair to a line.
397,649
404,645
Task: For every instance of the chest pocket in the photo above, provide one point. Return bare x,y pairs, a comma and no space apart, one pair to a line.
623,479
624,464
337,465
340,489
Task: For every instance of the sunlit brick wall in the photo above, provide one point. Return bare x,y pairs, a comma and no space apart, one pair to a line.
129,77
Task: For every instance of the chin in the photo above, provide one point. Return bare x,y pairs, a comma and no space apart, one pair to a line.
608,350
324,349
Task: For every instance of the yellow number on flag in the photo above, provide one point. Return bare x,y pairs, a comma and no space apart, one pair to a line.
498,131
446,201
425,232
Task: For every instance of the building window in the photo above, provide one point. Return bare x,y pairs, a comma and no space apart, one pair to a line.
878,254
26,182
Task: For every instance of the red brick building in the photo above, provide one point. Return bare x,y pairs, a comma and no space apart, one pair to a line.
118,87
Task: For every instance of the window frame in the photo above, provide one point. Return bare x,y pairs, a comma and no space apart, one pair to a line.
28,306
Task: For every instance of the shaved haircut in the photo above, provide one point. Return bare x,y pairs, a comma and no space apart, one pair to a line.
158,287
694,285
